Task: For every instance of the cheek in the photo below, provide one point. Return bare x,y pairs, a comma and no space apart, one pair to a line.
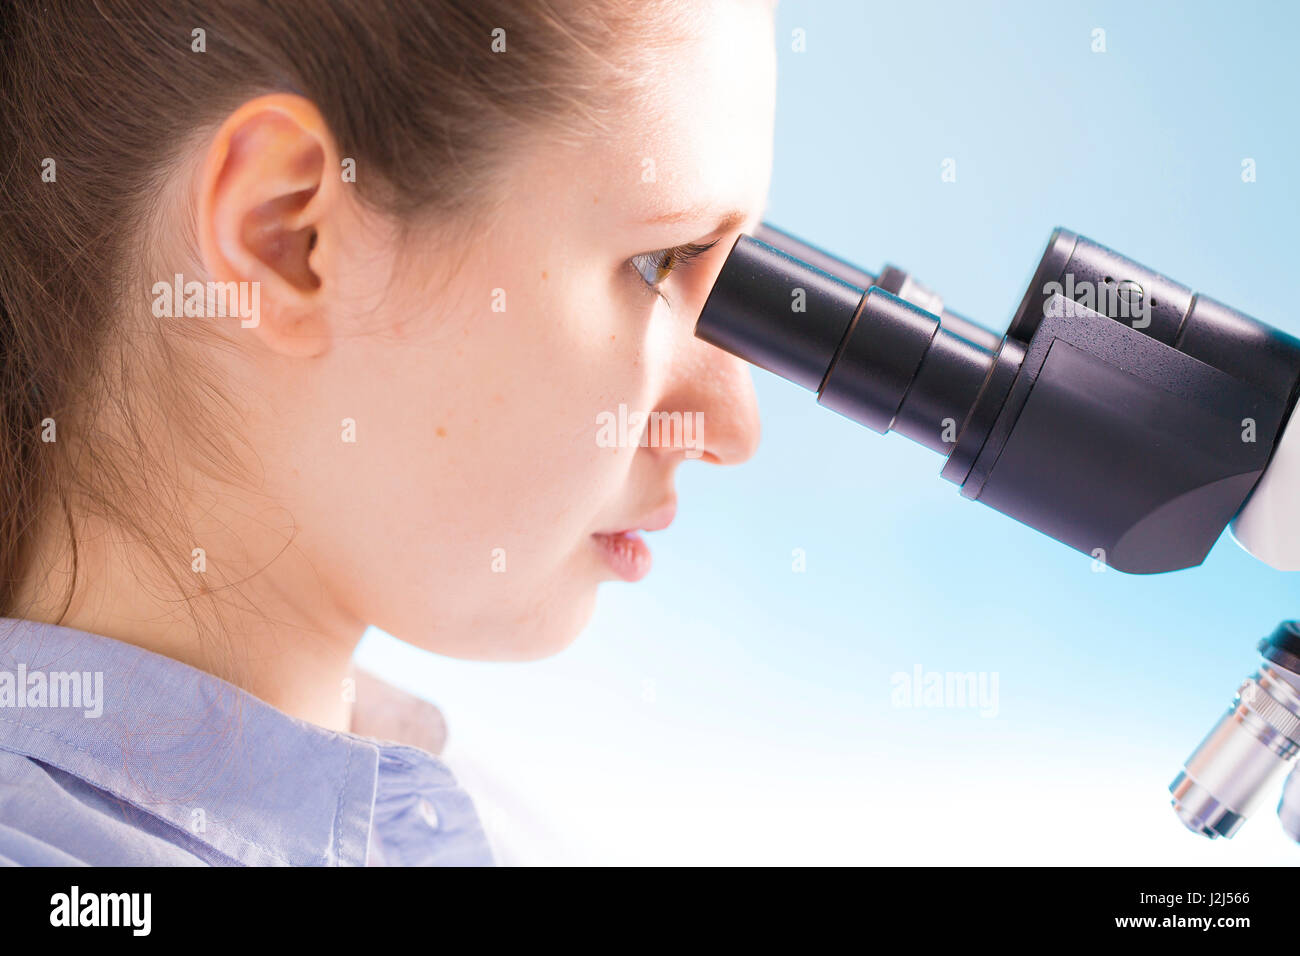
479,440
500,415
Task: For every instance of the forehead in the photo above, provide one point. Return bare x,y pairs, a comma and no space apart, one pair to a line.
702,134
707,135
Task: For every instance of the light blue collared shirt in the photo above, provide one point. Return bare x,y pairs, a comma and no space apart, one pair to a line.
111,755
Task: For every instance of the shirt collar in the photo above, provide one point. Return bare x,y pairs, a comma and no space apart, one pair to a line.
233,772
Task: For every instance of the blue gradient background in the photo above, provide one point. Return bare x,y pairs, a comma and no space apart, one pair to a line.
727,709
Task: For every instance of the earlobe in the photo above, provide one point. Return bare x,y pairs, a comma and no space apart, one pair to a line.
267,214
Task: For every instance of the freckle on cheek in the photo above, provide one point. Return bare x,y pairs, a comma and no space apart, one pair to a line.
543,275
442,432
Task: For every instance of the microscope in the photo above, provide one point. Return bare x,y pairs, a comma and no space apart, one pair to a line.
1121,413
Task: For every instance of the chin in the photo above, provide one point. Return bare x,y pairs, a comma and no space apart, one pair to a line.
550,626
550,629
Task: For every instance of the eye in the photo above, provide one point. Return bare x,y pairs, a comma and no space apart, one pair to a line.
655,267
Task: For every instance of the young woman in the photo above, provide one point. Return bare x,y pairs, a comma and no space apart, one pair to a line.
309,316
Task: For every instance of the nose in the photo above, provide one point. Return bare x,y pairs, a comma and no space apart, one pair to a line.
717,386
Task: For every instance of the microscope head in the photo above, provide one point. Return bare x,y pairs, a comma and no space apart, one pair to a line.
1122,413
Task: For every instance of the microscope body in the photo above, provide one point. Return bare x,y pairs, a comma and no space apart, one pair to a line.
1122,414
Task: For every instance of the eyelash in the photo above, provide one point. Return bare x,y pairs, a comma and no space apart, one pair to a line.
664,261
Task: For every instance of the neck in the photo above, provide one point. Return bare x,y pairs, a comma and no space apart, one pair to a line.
264,622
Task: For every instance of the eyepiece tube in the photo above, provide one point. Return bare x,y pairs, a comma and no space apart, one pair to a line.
869,354
891,279
778,312
798,249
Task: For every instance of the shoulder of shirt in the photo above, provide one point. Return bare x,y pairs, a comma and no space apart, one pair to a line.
256,786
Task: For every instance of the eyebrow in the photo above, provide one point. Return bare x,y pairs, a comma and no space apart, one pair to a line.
727,221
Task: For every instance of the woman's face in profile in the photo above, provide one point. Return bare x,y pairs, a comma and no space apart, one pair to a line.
466,518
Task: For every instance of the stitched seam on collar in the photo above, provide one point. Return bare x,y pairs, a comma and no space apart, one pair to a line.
338,813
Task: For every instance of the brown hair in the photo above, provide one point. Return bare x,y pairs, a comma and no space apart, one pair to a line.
97,99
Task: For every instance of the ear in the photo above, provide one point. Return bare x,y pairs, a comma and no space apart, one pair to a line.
268,213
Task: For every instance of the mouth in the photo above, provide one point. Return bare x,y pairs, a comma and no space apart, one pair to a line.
625,551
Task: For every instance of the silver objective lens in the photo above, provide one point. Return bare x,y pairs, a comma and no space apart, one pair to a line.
1224,779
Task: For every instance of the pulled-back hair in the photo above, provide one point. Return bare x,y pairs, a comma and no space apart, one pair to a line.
432,99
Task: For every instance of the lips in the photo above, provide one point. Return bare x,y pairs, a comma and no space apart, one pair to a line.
625,552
